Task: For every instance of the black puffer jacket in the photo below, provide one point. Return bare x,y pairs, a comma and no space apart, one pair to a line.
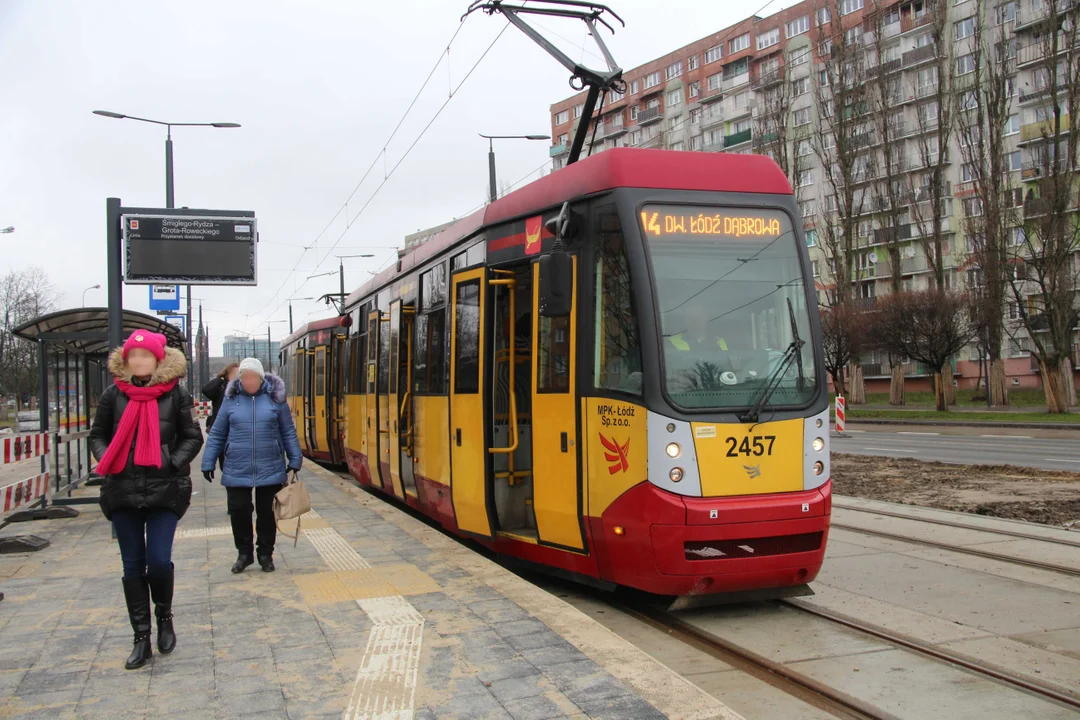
214,391
166,487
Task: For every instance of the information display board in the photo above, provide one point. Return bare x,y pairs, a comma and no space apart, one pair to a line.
190,249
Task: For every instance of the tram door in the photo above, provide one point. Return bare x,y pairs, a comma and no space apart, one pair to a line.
555,426
335,401
469,487
393,436
405,401
310,411
383,386
321,443
371,423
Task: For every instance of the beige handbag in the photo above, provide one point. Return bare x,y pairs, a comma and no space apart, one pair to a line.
290,502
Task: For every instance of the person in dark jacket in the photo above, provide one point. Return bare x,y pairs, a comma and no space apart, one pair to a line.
144,438
255,433
214,391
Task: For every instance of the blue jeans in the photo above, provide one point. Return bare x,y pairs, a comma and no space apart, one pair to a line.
146,539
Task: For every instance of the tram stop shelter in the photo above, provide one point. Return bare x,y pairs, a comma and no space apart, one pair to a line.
72,350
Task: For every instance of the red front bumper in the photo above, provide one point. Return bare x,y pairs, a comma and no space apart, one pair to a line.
673,545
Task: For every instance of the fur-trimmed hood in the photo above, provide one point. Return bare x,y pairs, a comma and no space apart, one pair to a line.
272,386
172,366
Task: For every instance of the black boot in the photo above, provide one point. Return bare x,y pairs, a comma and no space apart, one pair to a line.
245,560
266,562
137,595
161,589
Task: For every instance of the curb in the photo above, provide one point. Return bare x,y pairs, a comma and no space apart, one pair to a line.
963,423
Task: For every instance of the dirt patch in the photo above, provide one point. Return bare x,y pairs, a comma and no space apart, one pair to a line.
1051,497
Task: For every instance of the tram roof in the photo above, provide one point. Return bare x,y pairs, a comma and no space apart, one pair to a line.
323,324
84,331
616,168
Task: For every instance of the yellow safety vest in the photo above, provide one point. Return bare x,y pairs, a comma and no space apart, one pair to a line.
682,346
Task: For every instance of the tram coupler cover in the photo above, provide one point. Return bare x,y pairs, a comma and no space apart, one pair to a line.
690,602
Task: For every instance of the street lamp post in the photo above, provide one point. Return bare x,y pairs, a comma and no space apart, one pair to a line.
169,203
290,310
92,287
269,352
492,192
341,276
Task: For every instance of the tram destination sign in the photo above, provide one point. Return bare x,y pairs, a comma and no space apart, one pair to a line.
190,247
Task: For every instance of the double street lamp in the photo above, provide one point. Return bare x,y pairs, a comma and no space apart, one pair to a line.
169,203
492,192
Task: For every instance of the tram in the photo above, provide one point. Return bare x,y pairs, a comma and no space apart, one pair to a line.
614,373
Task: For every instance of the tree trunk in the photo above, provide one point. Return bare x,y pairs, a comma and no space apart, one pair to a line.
896,386
950,388
997,384
839,387
858,386
1067,383
940,398
1055,393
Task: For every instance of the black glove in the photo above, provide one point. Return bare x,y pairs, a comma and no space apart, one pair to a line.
209,475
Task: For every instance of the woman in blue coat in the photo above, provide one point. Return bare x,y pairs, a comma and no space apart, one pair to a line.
254,431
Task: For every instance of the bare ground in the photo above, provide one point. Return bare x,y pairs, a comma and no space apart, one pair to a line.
1051,497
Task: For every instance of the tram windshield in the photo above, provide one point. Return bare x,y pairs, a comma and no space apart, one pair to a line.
731,299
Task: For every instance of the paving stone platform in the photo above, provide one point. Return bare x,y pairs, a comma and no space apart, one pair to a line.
374,614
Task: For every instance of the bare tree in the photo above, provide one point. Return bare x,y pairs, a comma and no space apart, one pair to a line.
24,294
932,89
843,332
774,133
840,143
983,98
929,326
1044,282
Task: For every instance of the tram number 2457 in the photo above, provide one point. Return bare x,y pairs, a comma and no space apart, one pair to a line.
756,445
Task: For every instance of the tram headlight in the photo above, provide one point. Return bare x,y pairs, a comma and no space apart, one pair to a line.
818,468
676,474
673,450
819,444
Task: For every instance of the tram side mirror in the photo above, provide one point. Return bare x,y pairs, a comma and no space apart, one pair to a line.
557,268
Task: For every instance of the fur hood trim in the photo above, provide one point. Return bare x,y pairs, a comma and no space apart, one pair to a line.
172,366
272,386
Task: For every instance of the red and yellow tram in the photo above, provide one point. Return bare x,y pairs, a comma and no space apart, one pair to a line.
614,372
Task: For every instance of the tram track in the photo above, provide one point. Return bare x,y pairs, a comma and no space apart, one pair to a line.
1051,567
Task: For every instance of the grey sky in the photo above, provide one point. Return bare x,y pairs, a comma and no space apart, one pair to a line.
317,85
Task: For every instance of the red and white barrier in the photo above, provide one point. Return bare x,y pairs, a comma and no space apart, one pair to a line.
202,409
24,447
24,492
840,416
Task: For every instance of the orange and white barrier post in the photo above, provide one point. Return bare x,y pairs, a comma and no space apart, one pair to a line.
840,415
16,450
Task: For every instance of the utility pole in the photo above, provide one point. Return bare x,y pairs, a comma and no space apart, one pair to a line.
269,357
290,319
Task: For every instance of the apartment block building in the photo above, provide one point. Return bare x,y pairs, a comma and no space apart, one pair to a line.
709,96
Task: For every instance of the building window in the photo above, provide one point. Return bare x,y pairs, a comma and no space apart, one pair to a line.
964,28
1006,13
1013,311
850,6
822,16
578,109
823,78
674,123
967,173
562,118
768,67
714,138
1018,237
804,178
617,120
799,57
634,110
739,102
803,148
1012,161
615,96
1012,125
965,64
811,239
797,27
563,139
853,36
635,138
678,146
692,62
806,208
695,116
768,38
740,43
714,53
695,89
800,87
969,100
673,70
695,142
652,79
674,98
973,207
714,81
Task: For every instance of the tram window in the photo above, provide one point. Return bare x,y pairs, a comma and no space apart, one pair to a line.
467,340
476,254
320,374
429,354
384,357
301,372
458,262
433,287
553,361
618,347
357,363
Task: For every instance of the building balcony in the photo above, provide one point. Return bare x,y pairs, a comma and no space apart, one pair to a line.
926,90
736,81
1028,17
1039,130
556,150
650,115
890,235
738,138
911,21
711,95
888,68
612,131
1037,51
918,55
763,81
1032,95
712,116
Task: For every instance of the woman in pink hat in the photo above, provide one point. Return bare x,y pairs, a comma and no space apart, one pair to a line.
144,438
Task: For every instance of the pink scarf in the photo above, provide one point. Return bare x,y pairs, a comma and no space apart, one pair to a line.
139,421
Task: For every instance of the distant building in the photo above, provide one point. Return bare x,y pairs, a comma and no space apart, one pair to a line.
238,347
422,236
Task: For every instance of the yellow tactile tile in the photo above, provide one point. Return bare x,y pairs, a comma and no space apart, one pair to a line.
408,579
364,584
322,588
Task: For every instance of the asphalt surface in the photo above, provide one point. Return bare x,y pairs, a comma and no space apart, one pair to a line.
1049,450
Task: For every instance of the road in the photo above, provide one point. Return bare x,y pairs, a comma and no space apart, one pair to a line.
1046,449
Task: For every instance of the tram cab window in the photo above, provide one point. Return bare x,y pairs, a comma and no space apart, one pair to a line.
731,296
617,345
430,351
320,374
467,341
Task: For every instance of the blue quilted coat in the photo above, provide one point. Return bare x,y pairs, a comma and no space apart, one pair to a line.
256,435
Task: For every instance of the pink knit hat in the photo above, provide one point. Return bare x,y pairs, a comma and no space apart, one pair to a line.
152,341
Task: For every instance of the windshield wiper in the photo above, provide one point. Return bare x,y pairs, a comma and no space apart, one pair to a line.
792,354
